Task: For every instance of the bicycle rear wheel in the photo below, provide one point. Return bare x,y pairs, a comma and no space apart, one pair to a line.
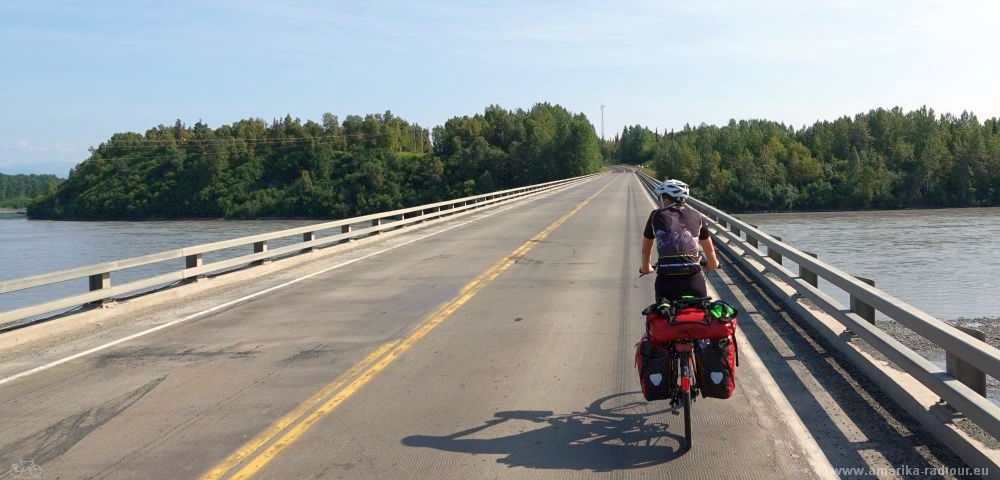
687,419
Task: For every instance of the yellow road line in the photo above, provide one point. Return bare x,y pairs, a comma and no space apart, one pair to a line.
253,445
432,321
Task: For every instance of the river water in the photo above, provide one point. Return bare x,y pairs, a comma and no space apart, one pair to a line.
34,247
945,262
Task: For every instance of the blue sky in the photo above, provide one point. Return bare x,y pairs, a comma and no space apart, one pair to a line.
76,72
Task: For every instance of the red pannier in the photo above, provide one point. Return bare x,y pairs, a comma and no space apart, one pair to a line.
712,326
717,361
657,368
689,322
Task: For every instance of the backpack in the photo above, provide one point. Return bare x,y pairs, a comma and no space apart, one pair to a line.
676,244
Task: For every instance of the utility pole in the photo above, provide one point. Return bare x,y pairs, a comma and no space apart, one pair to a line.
602,122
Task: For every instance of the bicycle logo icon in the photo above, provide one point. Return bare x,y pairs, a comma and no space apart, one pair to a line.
26,469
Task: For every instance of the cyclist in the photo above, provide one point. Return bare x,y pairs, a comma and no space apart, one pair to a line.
674,229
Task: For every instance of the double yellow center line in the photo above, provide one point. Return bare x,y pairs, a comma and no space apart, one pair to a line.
296,422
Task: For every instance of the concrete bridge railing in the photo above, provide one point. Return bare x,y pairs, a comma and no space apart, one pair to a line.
745,241
100,275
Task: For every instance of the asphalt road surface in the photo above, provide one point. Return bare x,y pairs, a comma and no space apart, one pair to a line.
500,348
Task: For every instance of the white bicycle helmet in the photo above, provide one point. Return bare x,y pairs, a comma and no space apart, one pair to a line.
675,189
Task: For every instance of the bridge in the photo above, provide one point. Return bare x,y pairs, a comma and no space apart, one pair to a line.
485,337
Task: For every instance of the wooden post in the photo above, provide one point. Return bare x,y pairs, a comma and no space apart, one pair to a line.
861,308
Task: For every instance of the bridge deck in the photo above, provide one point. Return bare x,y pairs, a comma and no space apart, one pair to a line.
528,373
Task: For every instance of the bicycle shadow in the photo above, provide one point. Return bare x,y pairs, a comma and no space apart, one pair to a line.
599,439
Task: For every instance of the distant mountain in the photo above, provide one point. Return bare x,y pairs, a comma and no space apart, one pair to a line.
58,168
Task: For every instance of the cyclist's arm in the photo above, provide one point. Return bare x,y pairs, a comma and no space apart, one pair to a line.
647,246
712,263
705,240
647,255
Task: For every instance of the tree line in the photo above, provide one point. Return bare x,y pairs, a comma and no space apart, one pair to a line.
331,169
885,158
16,191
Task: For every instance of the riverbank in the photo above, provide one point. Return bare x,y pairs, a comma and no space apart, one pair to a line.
931,351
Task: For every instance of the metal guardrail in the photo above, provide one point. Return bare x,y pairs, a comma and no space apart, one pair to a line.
956,343
99,275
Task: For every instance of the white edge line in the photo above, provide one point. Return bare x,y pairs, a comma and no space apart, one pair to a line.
230,303
817,460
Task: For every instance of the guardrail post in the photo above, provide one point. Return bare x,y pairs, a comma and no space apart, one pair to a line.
807,275
773,254
194,261
345,229
375,223
260,247
309,237
430,211
100,281
752,240
861,308
964,371
736,230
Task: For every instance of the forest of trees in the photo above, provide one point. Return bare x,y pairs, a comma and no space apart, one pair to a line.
16,191
333,169
880,159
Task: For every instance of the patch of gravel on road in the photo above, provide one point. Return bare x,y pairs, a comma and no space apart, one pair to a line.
936,354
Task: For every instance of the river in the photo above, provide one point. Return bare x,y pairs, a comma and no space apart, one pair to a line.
944,262
38,246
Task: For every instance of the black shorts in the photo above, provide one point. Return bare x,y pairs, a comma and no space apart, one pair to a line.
672,288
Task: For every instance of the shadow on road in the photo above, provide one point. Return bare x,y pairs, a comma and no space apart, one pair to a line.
613,433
